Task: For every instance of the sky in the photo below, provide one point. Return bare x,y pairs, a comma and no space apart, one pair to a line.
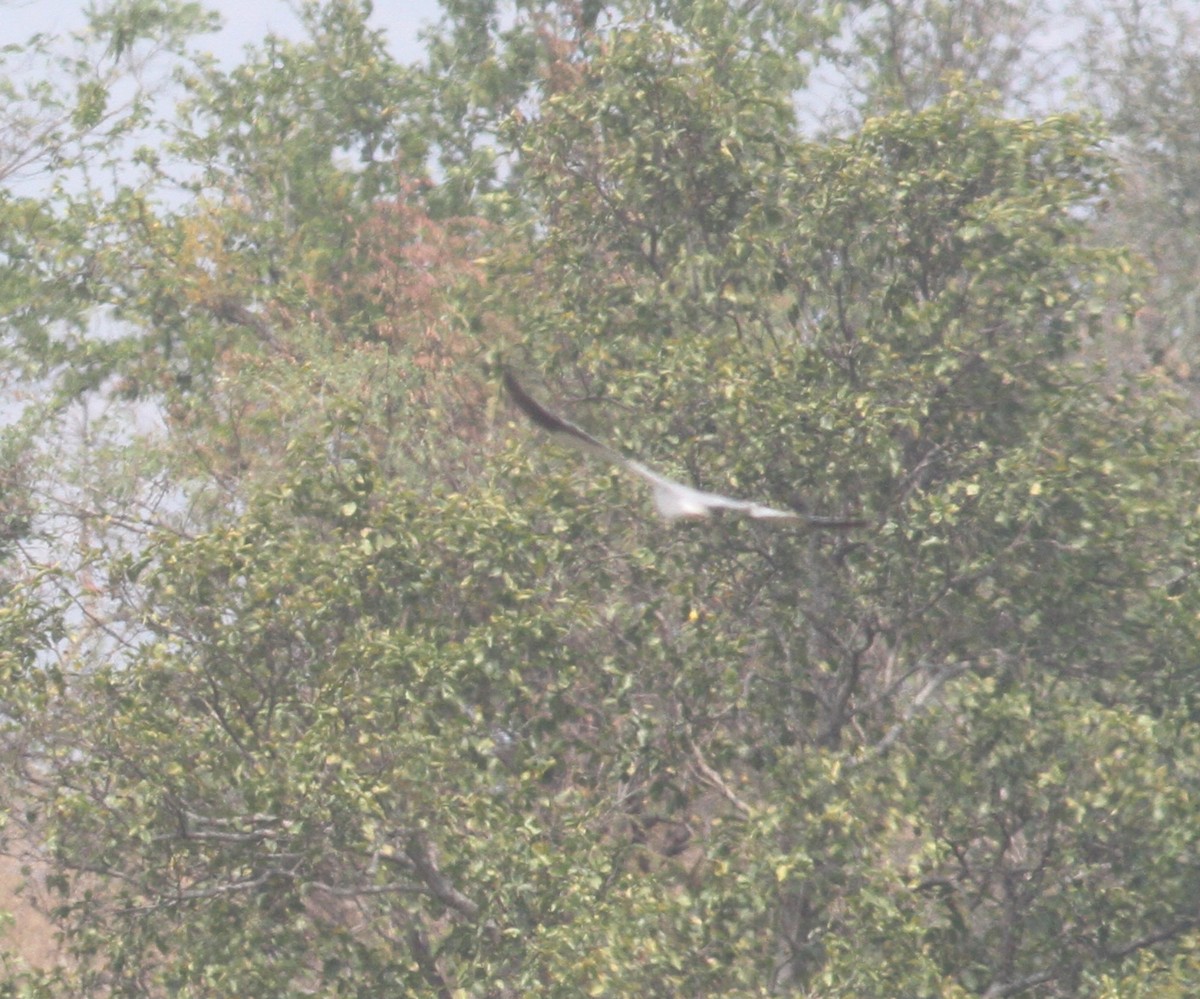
246,22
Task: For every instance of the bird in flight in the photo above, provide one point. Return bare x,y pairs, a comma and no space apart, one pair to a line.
674,500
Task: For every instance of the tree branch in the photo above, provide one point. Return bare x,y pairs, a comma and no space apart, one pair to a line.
438,884
711,777
999,990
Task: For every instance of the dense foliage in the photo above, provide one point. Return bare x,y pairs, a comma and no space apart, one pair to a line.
324,674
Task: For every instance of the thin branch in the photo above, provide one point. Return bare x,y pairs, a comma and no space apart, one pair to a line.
711,777
1158,936
439,885
935,684
999,990
357,891
202,894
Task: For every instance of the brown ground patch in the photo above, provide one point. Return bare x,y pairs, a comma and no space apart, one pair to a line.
29,935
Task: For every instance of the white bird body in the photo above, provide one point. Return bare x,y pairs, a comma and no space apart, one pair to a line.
673,500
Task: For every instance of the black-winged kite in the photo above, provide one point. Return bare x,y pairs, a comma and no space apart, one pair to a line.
674,500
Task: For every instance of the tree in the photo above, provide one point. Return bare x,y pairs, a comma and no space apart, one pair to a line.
1142,70
393,700
912,53
914,322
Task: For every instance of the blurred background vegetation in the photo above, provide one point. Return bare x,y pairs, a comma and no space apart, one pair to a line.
324,674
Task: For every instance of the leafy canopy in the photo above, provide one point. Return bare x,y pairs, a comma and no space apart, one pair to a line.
337,682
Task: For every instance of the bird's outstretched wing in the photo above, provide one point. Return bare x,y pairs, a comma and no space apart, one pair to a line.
555,424
674,500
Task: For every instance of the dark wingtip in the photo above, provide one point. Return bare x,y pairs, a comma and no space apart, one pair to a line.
836,523
530,406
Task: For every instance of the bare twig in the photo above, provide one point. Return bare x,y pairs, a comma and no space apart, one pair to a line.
999,990
936,682
711,777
